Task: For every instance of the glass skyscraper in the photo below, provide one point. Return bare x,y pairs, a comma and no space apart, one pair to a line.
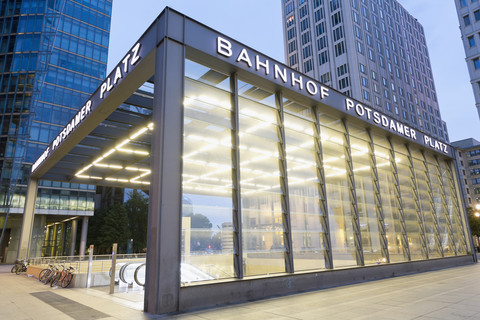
53,55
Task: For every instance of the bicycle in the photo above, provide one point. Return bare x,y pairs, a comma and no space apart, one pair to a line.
21,266
45,273
63,277
49,276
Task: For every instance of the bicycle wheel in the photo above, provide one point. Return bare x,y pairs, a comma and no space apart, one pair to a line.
19,269
49,277
67,279
55,279
14,268
42,274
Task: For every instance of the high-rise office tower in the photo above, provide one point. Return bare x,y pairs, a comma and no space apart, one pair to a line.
468,161
468,12
53,55
372,50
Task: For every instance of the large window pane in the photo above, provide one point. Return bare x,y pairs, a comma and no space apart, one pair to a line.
365,193
262,224
429,218
412,216
340,215
207,230
390,205
306,214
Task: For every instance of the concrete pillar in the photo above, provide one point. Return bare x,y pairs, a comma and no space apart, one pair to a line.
162,283
28,217
83,237
73,237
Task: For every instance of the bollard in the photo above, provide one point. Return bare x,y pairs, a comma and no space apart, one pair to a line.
89,270
114,262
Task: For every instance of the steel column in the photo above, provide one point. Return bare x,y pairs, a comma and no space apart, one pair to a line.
287,226
322,190
28,217
398,202
236,190
378,197
162,282
353,195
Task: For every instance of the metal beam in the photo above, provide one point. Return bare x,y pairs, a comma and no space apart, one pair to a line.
398,201
353,195
378,197
322,191
236,191
287,226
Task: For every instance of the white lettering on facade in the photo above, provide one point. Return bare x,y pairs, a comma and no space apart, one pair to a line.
225,48
129,60
395,126
259,64
243,56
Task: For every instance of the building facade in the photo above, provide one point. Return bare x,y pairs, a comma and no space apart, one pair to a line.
53,56
468,160
371,50
468,12
262,180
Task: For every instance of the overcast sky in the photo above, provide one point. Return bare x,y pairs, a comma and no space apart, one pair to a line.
258,23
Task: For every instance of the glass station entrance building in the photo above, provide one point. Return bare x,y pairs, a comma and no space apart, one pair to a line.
262,181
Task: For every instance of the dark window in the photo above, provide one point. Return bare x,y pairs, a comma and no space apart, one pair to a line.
477,15
466,20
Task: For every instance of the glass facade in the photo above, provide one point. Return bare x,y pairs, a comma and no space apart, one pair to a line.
53,55
272,185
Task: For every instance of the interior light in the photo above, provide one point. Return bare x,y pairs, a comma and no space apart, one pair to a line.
124,142
138,133
109,153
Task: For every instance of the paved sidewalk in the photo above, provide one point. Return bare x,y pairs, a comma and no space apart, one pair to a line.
446,294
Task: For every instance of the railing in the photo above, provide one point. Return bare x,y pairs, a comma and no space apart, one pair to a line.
100,263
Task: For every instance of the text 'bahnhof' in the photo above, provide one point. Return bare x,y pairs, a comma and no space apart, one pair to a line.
299,186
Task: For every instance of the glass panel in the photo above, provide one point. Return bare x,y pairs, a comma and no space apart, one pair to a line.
367,210
303,187
391,210
338,200
437,191
452,207
427,210
412,222
263,243
207,229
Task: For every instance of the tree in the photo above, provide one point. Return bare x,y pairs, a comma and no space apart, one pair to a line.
95,224
137,211
201,232
473,221
115,228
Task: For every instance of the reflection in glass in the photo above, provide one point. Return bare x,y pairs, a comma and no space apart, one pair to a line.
429,218
367,210
340,215
262,224
304,190
437,191
207,230
413,218
391,209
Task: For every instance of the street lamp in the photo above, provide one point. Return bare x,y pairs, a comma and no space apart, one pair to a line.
477,214
477,206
